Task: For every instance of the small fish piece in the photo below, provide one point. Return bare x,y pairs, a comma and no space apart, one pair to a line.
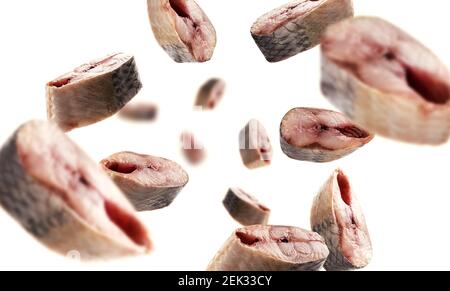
271,248
255,146
245,208
92,92
139,111
192,149
61,197
210,94
149,182
297,26
337,216
319,135
182,29
386,81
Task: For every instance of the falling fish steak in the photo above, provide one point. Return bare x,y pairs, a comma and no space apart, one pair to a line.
92,92
210,94
319,135
297,26
139,111
149,182
192,149
245,208
182,29
386,81
337,216
271,248
255,146
61,197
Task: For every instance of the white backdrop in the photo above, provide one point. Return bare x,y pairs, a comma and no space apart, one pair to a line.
404,189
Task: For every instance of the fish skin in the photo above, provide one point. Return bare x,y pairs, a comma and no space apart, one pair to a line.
245,208
253,140
402,115
148,185
302,33
238,256
93,96
163,20
38,205
325,222
316,152
210,94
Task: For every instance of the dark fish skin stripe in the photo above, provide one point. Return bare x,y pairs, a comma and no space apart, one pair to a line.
335,261
178,53
18,197
126,82
278,49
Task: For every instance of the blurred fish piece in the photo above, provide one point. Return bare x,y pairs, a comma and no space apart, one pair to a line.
271,248
61,197
297,26
182,29
92,92
337,216
192,149
210,94
386,81
149,182
245,208
139,111
255,146
319,135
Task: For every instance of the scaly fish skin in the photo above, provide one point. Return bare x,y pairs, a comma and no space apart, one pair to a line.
337,216
58,195
297,26
182,29
149,182
410,103
271,248
92,92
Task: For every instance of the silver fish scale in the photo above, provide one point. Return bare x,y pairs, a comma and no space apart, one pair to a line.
158,199
178,53
335,261
285,42
126,83
22,197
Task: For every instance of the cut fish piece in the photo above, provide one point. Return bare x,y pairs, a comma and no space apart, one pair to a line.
61,197
337,216
245,208
297,26
192,149
139,111
271,248
182,29
319,135
149,182
386,81
92,92
210,94
255,146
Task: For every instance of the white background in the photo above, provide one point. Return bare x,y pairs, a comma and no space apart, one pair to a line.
404,189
